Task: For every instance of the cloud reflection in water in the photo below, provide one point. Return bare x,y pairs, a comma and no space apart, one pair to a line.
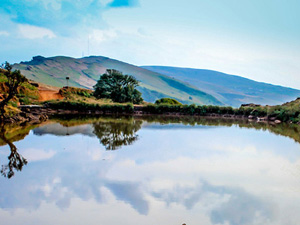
223,184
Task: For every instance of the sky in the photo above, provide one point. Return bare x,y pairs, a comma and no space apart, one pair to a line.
257,39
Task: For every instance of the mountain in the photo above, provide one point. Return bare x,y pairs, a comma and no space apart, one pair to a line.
230,89
84,72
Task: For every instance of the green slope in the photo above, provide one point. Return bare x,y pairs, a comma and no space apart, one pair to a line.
84,72
230,89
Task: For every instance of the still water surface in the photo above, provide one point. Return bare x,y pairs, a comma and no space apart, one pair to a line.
150,171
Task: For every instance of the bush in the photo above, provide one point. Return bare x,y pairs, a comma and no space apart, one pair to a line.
169,101
68,91
25,100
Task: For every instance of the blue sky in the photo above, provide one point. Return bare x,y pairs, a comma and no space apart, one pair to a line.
255,39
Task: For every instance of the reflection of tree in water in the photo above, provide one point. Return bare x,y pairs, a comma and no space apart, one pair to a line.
15,160
116,133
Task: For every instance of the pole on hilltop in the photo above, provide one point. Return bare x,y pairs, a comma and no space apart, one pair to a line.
67,78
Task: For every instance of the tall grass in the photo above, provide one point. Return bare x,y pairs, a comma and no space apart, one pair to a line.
282,113
85,107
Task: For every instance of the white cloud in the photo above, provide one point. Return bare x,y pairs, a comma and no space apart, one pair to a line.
105,2
4,33
95,154
37,154
103,35
33,32
54,4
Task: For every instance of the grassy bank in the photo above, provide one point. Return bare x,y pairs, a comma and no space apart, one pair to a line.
288,112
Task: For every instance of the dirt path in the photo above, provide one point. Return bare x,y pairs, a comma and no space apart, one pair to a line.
47,92
46,95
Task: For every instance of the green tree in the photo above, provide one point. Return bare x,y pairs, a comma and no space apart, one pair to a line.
118,87
14,79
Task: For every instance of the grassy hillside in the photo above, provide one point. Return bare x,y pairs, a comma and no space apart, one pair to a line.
85,72
230,89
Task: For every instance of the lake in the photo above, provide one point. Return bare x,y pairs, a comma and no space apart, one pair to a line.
150,170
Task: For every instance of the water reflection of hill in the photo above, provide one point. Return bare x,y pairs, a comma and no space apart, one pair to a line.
61,130
119,126
283,129
114,132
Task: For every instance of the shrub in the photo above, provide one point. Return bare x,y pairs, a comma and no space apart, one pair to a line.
169,101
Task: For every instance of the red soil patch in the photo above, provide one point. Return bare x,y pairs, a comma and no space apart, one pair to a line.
45,95
47,92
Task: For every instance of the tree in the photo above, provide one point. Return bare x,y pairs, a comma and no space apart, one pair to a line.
14,79
118,87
